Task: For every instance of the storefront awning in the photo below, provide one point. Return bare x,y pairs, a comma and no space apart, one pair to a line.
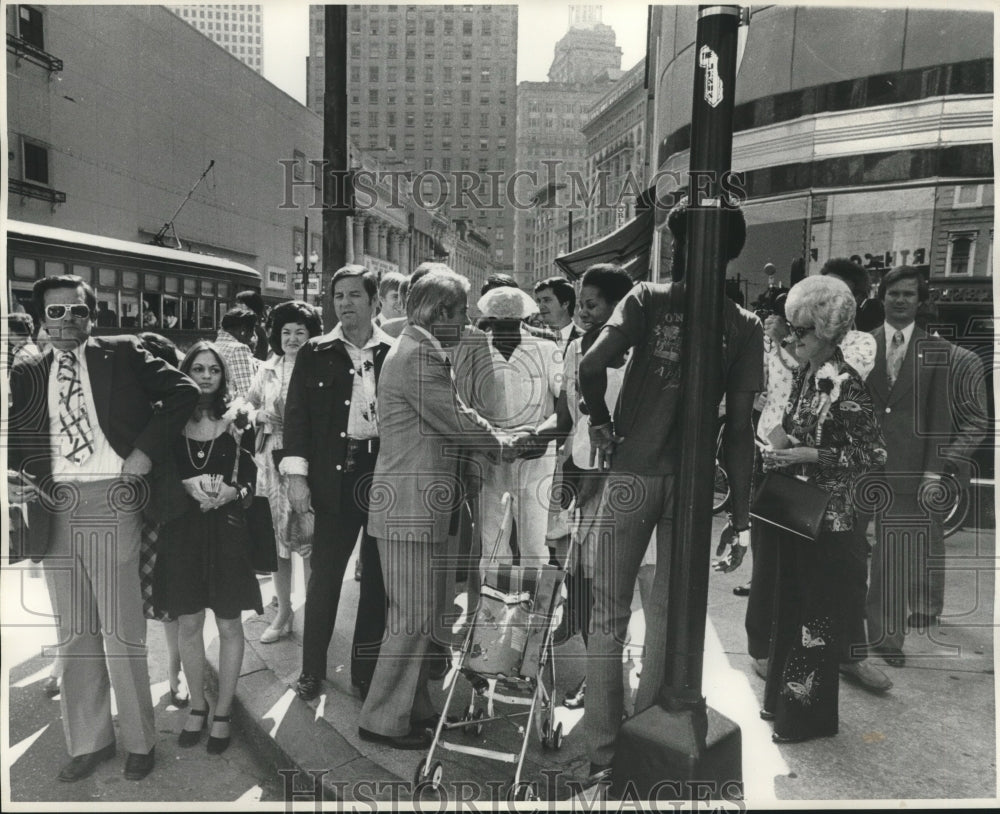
628,247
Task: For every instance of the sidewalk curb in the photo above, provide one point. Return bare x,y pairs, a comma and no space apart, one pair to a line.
285,731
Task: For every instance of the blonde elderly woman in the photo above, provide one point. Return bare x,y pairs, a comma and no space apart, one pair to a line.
858,349
292,325
528,377
829,435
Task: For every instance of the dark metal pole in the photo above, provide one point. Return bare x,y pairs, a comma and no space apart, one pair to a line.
701,352
336,187
681,738
305,263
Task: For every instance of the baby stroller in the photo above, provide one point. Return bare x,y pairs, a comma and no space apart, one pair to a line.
508,642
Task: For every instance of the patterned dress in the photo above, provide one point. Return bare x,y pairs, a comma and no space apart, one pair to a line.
814,578
267,393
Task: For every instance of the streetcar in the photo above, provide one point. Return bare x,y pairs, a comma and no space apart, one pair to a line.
140,287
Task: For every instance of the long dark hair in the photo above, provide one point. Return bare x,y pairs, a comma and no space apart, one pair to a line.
220,401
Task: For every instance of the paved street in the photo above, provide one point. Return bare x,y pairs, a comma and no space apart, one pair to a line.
932,736
37,747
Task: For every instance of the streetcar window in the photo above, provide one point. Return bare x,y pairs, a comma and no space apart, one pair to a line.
23,301
84,272
207,313
207,288
54,269
171,285
107,310
25,267
190,286
223,291
107,277
171,311
130,279
187,321
151,282
130,311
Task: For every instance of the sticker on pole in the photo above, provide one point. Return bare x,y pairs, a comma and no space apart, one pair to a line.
709,60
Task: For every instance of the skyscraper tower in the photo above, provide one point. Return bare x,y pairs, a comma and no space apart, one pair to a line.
237,28
437,86
587,50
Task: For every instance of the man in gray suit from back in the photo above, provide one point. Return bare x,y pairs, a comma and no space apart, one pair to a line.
424,426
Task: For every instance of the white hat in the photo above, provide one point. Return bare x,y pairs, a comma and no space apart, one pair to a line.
506,303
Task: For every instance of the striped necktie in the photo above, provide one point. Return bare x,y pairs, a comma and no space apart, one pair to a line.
76,439
894,357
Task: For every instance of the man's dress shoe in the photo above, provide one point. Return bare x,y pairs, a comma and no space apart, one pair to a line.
416,738
85,765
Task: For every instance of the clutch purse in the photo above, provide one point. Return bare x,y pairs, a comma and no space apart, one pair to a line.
790,504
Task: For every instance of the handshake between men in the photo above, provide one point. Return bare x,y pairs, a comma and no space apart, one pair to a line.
524,443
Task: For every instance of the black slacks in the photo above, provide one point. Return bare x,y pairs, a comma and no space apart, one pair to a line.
333,543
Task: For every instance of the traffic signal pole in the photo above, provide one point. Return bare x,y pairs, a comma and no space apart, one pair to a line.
679,741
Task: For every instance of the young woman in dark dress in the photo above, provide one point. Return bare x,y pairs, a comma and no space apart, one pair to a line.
203,559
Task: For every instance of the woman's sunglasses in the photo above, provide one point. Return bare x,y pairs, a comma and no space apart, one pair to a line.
60,311
800,332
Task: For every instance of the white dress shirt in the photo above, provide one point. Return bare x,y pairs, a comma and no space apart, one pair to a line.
104,462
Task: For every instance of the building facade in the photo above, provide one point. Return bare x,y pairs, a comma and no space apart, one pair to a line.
616,155
551,148
220,122
859,132
437,86
237,28
881,152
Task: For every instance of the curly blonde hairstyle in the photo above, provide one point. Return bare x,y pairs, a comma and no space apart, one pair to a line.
825,302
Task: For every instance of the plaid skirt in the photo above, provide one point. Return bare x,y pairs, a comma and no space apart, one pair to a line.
147,562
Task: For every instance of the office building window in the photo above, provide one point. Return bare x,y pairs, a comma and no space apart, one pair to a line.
36,162
961,253
31,26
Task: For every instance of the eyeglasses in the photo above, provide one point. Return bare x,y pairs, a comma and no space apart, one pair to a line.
59,311
800,332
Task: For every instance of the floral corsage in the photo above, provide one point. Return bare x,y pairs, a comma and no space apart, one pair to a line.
239,416
828,383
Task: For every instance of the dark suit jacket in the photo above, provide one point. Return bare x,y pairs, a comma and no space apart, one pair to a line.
141,402
316,412
915,413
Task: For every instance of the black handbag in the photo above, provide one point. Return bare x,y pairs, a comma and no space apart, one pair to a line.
260,533
259,530
790,504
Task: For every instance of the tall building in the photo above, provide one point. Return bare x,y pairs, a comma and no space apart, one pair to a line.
436,85
587,50
237,28
550,144
616,154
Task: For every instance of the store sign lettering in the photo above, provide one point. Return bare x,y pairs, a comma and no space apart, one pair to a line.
888,260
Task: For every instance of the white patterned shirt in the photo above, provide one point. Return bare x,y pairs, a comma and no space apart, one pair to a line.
103,462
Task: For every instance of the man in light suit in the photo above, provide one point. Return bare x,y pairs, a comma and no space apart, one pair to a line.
424,425
87,420
910,387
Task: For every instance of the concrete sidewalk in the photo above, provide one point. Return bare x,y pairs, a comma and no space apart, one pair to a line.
931,737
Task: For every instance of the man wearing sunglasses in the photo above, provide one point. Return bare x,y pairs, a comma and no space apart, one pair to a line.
83,436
